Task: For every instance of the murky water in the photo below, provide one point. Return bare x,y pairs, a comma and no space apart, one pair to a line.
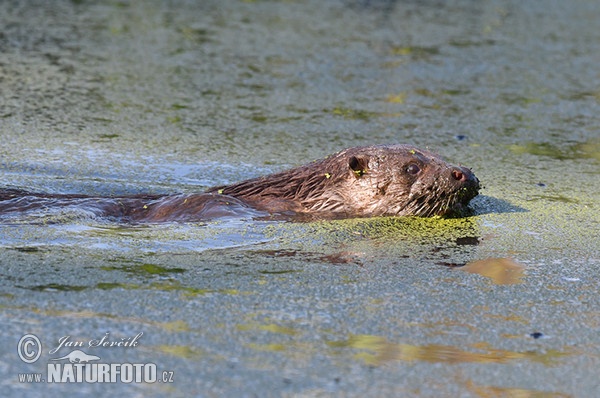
111,98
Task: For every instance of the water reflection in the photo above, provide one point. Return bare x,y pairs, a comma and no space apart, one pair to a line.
501,271
377,350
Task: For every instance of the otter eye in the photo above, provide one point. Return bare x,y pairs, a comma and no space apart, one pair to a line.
413,169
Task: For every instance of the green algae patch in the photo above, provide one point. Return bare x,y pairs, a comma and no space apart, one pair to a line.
271,347
108,136
399,98
166,286
145,269
351,241
195,34
259,118
153,269
416,52
269,327
356,114
398,228
175,326
543,149
174,119
589,149
180,351
113,285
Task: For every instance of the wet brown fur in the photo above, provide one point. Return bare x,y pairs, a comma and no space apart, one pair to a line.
385,180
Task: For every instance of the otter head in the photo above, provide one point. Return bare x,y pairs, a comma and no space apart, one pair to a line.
394,180
385,180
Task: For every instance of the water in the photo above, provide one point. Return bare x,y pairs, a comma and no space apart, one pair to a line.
112,98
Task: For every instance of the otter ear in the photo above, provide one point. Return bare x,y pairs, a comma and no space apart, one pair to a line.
359,164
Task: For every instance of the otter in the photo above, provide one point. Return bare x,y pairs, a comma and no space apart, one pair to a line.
367,181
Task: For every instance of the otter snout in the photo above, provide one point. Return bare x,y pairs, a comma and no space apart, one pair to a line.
465,176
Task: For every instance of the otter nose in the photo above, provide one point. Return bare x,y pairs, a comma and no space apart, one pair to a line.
462,174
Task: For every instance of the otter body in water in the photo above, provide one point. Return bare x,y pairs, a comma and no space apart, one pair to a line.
384,180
